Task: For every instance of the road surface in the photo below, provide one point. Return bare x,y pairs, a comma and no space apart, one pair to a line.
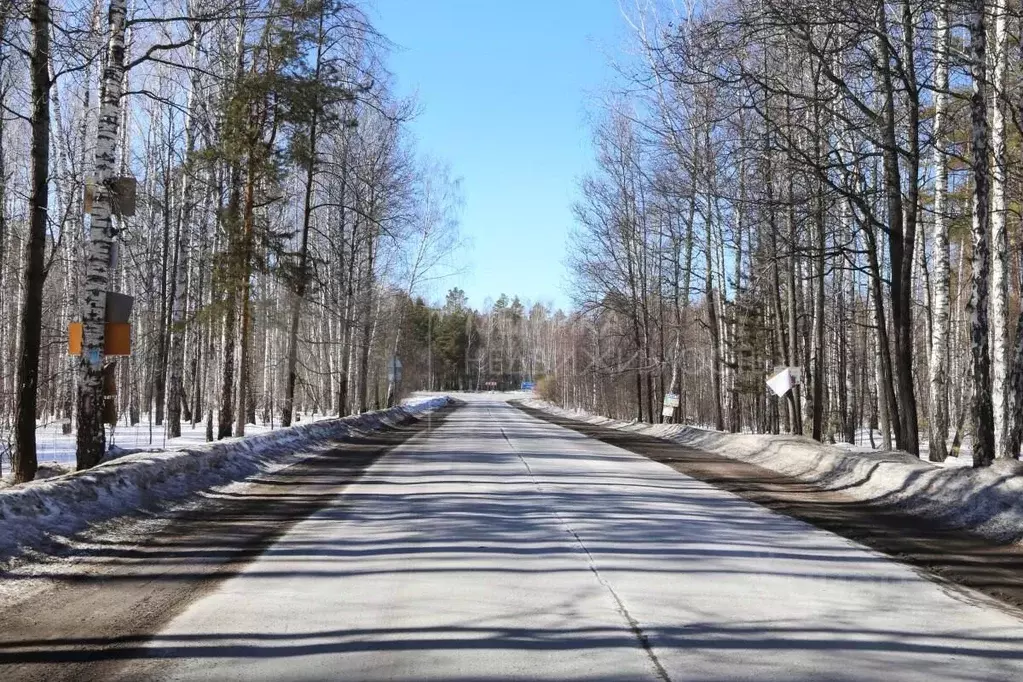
500,547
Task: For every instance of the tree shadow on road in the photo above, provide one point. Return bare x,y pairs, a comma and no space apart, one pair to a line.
457,511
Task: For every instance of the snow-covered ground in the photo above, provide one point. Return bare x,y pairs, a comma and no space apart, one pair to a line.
862,444
57,449
986,501
45,513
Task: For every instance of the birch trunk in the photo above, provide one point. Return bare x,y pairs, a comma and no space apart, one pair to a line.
999,314
98,250
938,368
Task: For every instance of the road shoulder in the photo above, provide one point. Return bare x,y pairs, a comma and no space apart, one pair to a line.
953,558
102,607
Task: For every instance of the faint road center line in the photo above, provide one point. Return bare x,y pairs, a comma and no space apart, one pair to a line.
634,625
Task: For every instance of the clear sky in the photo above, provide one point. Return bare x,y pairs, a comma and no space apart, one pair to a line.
504,87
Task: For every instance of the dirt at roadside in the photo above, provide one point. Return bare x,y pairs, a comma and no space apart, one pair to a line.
955,558
104,606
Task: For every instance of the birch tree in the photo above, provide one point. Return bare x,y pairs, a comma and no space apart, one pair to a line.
100,247
938,366
218,103
999,314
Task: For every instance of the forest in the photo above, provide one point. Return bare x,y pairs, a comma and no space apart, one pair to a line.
833,187
241,173
828,186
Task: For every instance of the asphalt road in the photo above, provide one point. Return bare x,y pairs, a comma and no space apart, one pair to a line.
496,546
499,547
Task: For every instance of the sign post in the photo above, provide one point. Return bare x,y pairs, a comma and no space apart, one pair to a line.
784,379
671,402
394,370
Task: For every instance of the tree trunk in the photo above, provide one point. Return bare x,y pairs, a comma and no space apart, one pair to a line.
24,456
981,404
231,222
244,287
715,340
1015,432
999,314
91,435
887,405
225,420
168,268
179,302
818,316
938,368
303,251
901,229
794,396
367,330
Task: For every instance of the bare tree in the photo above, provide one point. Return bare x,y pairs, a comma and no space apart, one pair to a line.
100,248
938,367
24,463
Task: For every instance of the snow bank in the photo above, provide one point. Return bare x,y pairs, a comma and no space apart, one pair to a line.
41,514
55,447
988,502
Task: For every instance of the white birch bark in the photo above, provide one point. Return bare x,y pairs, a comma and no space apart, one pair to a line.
91,439
938,367
999,313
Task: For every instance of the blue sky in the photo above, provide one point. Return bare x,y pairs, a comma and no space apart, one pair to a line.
504,87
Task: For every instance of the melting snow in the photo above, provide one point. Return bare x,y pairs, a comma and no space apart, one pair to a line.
43,514
987,501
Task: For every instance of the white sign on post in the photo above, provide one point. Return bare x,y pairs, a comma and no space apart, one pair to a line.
671,401
394,370
783,381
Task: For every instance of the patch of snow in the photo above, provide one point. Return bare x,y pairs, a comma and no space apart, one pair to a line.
55,447
986,501
43,514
